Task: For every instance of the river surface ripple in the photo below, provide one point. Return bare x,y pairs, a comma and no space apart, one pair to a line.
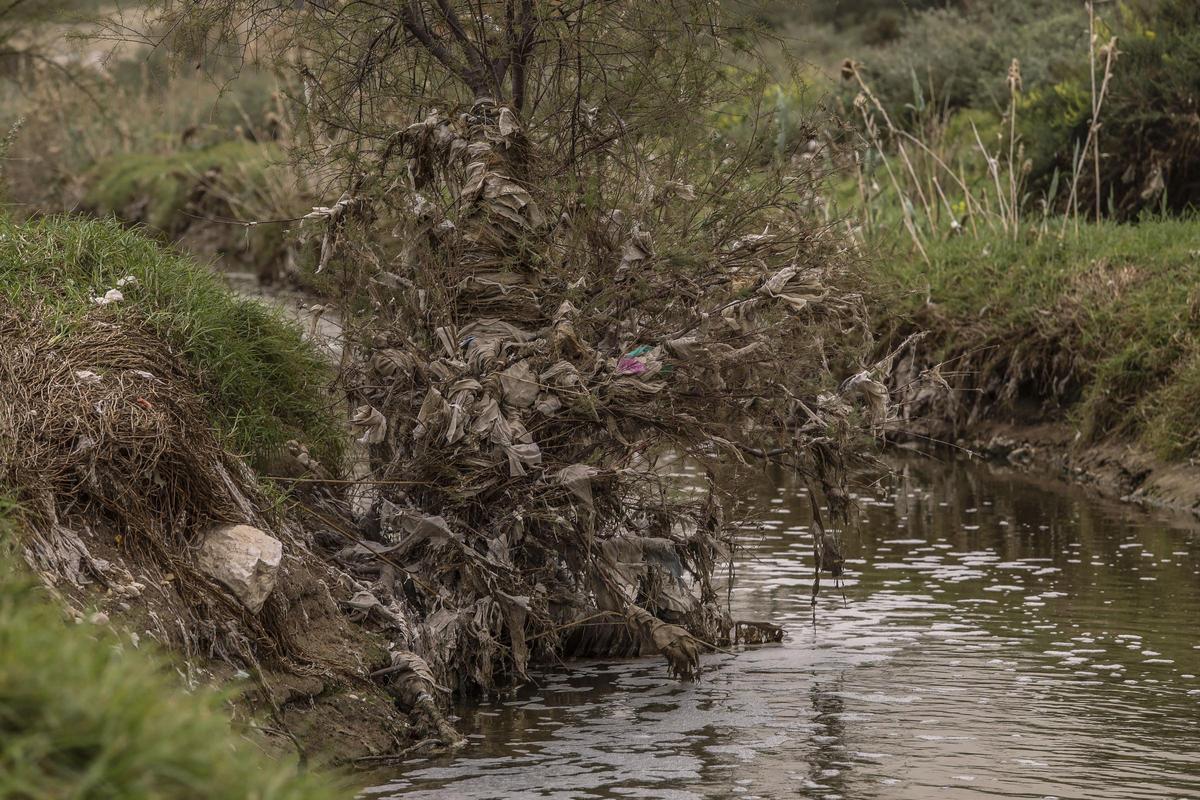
1001,637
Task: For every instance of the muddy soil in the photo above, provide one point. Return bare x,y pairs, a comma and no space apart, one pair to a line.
1114,468
332,714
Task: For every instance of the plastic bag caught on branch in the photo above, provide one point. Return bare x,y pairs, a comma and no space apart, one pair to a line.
578,478
410,681
673,642
371,423
797,288
874,392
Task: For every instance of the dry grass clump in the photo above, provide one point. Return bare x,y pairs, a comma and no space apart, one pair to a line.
261,384
101,415
108,450
114,447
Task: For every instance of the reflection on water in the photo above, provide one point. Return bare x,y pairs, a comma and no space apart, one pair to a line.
1001,637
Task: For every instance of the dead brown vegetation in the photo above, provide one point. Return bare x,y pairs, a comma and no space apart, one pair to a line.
109,453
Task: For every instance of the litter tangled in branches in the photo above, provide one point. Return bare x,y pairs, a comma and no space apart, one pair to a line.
555,272
525,370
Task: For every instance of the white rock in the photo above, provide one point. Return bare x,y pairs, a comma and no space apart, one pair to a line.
109,297
243,558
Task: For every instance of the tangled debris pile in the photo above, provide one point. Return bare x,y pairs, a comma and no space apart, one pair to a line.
524,373
525,370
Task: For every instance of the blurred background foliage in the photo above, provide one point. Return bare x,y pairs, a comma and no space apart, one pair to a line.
939,66
84,93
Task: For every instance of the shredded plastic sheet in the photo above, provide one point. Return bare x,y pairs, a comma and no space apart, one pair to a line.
673,642
370,424
578,478
530,370
873,392
109,297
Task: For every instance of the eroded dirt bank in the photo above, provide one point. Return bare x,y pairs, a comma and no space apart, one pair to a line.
1114,469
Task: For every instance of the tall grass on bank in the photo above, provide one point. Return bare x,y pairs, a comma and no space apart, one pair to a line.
84,714
942,180
264,383
207,199
163,181
1103,328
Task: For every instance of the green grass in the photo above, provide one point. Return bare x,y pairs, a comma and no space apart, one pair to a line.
1117,308
84,715
165,180
153,189
262,382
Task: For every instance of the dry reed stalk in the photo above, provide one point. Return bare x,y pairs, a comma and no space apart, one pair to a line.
993,170
892,130
877,143
1014,90
1110,53
1091,12
975,206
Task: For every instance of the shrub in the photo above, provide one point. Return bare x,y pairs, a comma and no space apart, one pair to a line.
135,107
190,197
959,58
162,183
1150,142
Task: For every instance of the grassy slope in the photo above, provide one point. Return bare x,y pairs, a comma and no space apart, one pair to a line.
1122,302
85,715
165,180
264,383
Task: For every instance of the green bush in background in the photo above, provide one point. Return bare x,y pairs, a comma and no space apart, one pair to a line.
1150,137
954,58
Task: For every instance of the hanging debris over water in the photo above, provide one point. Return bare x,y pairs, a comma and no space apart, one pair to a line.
528,367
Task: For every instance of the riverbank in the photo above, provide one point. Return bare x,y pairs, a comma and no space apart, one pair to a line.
1115,469
1073,352
147,410
93,710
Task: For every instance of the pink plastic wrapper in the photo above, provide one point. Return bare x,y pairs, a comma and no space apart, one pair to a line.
631,366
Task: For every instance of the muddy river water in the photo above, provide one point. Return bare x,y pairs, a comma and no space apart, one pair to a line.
1001,636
